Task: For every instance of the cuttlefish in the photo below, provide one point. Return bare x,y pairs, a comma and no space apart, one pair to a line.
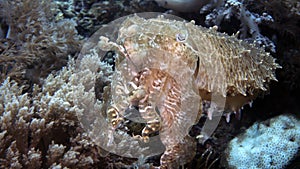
165,69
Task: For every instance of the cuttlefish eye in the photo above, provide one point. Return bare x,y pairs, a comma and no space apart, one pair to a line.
181,37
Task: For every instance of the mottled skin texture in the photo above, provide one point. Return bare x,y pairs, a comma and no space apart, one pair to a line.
163,57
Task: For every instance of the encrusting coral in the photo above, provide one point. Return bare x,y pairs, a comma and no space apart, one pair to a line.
160,65
279,142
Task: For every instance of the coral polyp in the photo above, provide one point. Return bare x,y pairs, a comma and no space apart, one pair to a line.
165,68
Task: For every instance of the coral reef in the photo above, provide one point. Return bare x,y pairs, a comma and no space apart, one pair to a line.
249,21
41,130
279,141
46,112
34,43
285,29
90,15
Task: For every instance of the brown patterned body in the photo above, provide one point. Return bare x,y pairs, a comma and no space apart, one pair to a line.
163,68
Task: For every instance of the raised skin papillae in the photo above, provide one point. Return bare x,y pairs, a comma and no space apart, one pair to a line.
165,67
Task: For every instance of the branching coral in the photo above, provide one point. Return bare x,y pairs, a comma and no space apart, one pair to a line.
91,14
35,43
249,21
41,130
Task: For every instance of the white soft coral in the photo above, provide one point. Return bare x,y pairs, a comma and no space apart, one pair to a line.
225,9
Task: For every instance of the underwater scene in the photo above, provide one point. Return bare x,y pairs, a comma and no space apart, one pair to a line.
150,84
